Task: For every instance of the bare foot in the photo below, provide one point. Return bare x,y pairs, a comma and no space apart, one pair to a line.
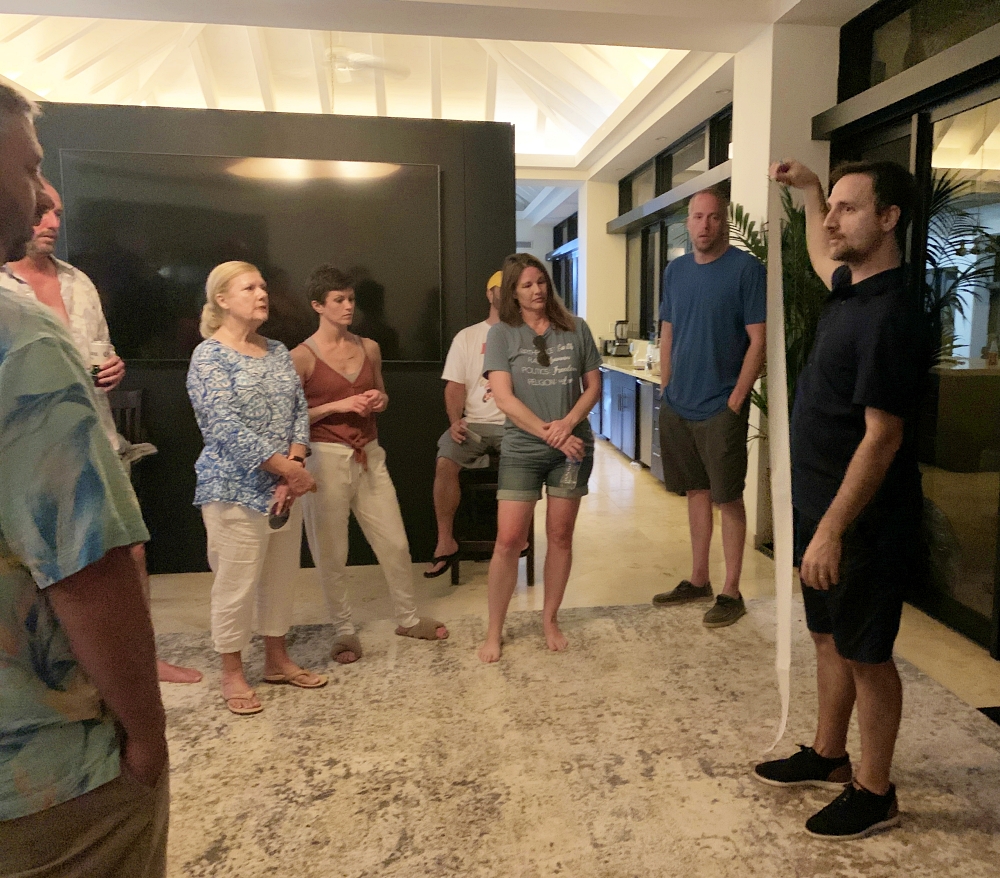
169,673
554,638
490,651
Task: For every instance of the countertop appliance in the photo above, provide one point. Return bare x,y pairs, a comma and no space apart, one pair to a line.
619,345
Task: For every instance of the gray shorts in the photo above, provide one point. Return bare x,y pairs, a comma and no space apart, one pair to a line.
709,455
483,439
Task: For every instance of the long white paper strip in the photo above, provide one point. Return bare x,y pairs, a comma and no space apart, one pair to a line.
778,441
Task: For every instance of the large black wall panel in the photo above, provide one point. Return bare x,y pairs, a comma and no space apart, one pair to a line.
477,230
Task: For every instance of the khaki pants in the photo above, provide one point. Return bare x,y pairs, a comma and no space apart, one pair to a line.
118,830
343,487
252,564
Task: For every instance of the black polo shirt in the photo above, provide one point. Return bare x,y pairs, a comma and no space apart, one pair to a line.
871,350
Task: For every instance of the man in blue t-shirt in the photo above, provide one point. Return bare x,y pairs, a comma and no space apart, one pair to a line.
712,343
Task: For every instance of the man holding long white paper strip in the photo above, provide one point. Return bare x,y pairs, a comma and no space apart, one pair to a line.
856,485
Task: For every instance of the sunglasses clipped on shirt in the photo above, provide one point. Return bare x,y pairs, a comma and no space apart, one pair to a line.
543,354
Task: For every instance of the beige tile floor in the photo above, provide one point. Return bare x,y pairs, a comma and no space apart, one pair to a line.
631,542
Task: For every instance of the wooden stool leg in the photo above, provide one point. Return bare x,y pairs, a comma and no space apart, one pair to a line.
454,571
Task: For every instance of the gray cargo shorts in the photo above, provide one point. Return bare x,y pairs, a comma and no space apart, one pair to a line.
482,439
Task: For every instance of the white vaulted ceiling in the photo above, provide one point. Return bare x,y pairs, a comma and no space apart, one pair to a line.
557,95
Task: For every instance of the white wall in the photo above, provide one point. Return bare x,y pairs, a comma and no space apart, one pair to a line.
540,236
781,80
602,259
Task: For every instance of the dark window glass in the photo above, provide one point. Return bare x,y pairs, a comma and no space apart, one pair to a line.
624,196
925,29
961,454
689,161
664,171
633,278
720,139
644,185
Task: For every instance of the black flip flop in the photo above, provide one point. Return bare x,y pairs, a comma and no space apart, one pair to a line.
448,561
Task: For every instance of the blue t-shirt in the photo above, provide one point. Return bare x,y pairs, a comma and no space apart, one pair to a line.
709,307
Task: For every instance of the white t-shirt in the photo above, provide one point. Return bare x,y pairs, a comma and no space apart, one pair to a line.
464,365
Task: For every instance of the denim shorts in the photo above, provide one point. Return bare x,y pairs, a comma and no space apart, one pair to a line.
523,471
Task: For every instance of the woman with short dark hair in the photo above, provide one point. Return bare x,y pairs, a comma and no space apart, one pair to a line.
543,368
342,377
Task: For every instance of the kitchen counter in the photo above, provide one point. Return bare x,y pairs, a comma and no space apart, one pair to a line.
624,365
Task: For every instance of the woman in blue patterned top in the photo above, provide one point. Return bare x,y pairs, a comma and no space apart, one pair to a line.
253,417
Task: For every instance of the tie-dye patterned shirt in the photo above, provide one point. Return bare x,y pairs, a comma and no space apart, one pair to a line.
65,501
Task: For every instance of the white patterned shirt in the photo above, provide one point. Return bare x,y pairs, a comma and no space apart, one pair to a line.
86,323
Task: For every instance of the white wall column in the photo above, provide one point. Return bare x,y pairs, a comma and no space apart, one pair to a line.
601,289
781,80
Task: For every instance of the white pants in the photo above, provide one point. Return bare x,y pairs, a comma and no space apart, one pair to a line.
250,561
345,487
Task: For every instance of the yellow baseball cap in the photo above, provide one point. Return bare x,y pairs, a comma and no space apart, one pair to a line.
494,280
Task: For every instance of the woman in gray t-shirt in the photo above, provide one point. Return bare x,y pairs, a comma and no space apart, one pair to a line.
543,369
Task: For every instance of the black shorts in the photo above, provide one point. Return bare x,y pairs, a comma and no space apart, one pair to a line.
709,455
879,561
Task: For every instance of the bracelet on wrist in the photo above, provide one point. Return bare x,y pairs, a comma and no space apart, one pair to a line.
297,458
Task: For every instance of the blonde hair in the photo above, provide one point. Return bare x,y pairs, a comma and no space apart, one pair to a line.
218,282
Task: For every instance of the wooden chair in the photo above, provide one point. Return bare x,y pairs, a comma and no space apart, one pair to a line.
126,410
476,520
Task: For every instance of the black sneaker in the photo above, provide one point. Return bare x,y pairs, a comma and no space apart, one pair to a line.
685,593
806,769
855,813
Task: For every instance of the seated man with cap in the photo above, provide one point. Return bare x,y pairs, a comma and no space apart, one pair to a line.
476,427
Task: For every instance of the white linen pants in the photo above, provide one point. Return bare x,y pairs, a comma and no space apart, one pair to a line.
250,561
345,487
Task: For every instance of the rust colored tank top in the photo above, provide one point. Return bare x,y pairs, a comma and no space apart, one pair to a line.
326,384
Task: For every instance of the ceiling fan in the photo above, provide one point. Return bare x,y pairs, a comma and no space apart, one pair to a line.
345,62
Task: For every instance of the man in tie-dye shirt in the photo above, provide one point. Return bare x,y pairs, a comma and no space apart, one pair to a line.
83,760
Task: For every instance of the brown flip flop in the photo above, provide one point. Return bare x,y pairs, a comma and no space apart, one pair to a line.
242,696
296,679
425,629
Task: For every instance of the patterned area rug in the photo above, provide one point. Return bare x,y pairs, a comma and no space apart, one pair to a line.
628,755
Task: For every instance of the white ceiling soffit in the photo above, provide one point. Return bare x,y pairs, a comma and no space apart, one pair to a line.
708,25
